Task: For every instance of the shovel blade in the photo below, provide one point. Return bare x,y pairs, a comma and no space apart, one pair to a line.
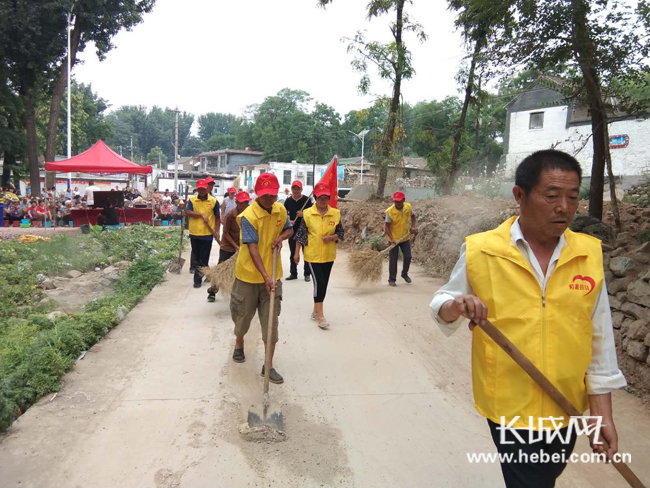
177,265
266,415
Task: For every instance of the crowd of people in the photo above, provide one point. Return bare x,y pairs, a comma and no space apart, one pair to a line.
55,206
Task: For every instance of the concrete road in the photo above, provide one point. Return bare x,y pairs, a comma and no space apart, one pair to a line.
380,399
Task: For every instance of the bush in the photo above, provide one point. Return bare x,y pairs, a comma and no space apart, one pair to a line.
35,352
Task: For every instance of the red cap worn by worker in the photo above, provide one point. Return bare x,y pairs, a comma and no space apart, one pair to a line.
321,189
232,190
201,184
296,183
209,180
399,196
267,184
243,196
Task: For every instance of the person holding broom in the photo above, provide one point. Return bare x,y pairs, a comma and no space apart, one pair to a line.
319,233
203,211
543,286
264,225
230,237
401,224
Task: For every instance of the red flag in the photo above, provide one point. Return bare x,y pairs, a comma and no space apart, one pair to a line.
331,179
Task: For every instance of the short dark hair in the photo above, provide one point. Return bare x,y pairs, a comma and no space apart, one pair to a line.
528,171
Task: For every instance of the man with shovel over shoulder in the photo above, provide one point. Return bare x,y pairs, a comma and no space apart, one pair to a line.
543,287
400,222
264,225
203,211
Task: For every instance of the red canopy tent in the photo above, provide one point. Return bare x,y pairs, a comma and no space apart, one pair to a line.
98,159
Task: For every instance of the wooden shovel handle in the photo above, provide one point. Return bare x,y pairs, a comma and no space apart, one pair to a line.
269,328
538,377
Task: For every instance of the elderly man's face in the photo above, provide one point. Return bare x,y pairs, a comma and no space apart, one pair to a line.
267,201
551,204
399,205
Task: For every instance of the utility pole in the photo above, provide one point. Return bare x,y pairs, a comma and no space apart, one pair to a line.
361,135
176,154
69,104
130,180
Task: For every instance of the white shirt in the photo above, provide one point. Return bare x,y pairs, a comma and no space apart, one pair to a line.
89,194
603,374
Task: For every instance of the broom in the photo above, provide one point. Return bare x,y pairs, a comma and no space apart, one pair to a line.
366,265
221,276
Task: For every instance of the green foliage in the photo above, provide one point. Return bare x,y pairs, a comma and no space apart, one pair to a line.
214,123
193,146
149,129
377,243
644,236
157,156
36,351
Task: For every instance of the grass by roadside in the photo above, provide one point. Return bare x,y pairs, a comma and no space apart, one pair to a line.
36,351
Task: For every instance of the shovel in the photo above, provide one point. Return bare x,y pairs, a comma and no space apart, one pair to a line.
563,402
267,414
177,264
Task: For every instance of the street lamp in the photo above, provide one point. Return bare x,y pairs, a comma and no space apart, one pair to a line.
69,104
361,135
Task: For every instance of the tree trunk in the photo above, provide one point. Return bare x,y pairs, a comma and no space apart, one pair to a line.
448,183
389,133
583,48
55,104
32,144
612,183
477,126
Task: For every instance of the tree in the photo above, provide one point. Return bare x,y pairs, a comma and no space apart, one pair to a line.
220,141
192,146
216,123
599,42
96,22
157,156
393,62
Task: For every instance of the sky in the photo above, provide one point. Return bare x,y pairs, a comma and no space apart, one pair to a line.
221,56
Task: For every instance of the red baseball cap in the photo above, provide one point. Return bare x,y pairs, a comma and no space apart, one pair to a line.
243,196
267,184
209,180
399,196
201,184
232,190
321,189
296,183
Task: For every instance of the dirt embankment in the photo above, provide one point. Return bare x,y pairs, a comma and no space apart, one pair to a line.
444,223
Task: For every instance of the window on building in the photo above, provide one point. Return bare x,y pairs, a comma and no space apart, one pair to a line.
287,177
310,178
536,120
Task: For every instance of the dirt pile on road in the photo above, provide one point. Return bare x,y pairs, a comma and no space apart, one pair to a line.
444,223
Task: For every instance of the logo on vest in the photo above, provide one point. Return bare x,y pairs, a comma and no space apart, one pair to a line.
583,283
278,222
332,223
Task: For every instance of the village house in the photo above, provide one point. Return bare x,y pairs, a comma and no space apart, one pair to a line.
543,118
286,173
228,160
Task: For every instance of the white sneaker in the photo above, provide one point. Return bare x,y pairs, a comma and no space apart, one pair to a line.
323,323
314,318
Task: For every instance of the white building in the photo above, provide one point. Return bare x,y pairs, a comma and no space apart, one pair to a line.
542,118
286,173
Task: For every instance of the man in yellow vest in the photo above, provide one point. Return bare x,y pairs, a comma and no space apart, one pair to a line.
543,286
400,222
264,225
203,211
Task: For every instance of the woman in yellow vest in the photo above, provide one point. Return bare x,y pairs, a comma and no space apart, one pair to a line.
319,233
543,286
400,222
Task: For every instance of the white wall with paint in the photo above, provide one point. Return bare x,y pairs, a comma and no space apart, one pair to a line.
632,160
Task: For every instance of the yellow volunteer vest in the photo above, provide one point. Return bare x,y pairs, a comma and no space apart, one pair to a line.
401,221
269,227
316,250
553,330
204,207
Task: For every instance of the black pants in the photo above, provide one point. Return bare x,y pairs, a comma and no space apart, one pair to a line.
522,474
394,254
200,255
294,268
321,275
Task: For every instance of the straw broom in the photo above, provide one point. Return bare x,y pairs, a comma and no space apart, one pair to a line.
366,265
221,276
